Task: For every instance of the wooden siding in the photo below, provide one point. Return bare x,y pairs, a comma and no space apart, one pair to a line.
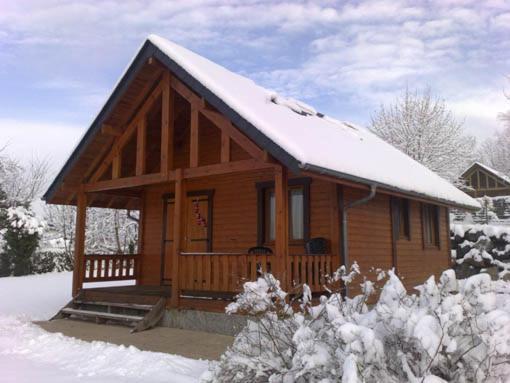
235,216
414,262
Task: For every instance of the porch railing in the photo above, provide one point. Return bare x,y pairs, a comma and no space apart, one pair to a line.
110,267
227,272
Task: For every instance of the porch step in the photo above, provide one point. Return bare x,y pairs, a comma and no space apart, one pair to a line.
102,315
139,315
133,306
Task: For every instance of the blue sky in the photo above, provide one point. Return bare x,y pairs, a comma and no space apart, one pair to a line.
60,59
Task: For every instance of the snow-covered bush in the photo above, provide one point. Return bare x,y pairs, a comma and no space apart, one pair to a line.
21,239
451,330
481,248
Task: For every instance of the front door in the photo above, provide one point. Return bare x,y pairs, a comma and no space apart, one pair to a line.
197,225
197,221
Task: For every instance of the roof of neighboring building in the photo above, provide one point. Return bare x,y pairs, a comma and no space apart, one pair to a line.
503,177
293,132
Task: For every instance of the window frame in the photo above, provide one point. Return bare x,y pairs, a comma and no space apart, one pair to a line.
431,225
263,224
400,208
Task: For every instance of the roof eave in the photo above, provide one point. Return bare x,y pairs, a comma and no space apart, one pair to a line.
391,188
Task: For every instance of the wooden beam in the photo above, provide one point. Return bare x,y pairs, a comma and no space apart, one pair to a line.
121,141
117,165
225,147
336,248
141,147
194,149
167,126
235,134
195,101
128,182
79,242
111,130
281,192
218,119
225,168
179,200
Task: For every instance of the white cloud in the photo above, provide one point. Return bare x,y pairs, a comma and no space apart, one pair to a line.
31,139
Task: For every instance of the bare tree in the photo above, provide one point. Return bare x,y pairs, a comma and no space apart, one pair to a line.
22,183
495,151
505,116
422,127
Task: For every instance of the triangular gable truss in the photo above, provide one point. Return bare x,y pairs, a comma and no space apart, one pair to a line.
475,170
137,128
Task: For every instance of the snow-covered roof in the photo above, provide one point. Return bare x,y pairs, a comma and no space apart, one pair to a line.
497,173
317,142
293,132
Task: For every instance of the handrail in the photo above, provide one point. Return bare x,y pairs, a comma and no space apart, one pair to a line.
110,267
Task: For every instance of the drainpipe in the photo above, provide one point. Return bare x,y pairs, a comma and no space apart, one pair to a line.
345,208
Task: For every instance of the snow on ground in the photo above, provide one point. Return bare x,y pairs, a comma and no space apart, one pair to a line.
30,354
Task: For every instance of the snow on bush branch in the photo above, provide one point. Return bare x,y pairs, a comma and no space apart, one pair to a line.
451,330
24,219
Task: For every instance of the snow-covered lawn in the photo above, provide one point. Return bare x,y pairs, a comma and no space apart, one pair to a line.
30,354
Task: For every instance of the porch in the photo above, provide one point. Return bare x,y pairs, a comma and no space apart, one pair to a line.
206,280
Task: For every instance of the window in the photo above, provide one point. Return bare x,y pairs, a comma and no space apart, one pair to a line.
299,211
430,222
401,218
296,213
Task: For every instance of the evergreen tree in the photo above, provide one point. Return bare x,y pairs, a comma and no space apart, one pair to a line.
5,261
21,239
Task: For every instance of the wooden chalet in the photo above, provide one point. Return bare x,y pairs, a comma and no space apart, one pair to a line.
230,178
481,180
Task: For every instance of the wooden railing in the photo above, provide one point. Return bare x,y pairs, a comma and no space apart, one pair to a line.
310,269
226,272
220,271
110,267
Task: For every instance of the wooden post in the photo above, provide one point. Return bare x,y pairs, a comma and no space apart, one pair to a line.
179,200
336,249
193,151
225,147
79,242
141,146
167,127
281,192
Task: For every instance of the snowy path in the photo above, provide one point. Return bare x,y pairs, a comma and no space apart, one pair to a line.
28,353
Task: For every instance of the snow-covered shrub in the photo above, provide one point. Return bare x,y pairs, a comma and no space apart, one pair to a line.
451,330
21,239
480,248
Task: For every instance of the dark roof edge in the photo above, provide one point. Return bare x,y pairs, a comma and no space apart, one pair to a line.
360,180
150,50
143,54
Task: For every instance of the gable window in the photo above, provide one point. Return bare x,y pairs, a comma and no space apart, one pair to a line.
299,211
430,222
401,218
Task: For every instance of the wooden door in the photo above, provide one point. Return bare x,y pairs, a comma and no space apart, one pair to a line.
198,223
167,243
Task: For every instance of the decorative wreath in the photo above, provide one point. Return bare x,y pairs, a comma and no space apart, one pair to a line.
200,220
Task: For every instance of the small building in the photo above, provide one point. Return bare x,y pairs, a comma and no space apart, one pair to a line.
481,180
231,179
